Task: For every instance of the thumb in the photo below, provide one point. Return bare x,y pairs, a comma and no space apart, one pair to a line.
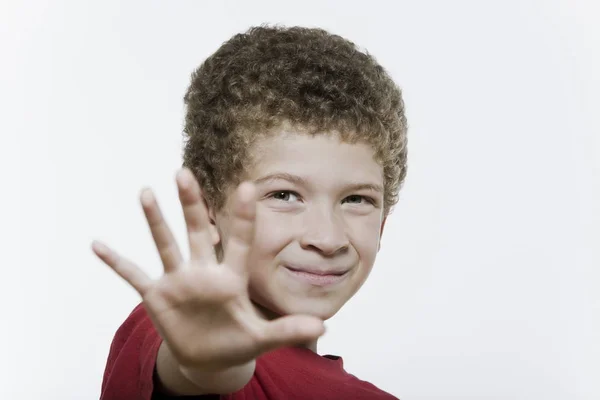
291,330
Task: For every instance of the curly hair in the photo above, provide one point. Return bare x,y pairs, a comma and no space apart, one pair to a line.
308,78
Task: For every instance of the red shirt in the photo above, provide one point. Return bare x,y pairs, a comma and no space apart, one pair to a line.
286,374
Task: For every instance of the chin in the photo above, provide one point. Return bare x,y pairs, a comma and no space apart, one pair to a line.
323,309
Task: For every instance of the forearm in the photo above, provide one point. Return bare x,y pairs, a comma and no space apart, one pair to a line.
174,381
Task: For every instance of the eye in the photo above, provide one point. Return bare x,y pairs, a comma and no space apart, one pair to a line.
284,195
357,199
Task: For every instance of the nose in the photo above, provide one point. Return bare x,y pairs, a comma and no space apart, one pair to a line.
325,233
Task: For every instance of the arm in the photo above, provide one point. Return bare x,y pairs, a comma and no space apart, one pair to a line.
174,380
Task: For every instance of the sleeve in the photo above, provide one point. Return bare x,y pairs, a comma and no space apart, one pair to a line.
129,373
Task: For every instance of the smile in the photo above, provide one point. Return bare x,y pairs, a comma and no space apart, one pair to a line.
316,278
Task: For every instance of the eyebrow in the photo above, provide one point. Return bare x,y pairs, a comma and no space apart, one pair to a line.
298,180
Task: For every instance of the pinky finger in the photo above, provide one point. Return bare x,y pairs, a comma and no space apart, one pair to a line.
123,267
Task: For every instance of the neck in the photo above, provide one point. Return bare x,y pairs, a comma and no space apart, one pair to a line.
270,315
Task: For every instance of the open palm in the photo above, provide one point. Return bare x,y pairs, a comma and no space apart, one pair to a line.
201,307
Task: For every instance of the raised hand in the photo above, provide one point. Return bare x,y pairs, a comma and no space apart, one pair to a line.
201,307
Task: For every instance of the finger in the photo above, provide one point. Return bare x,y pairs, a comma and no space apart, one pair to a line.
123,267
291,330
196,218
163,237
241,235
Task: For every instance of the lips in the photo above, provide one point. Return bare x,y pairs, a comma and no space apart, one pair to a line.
316,276
317,271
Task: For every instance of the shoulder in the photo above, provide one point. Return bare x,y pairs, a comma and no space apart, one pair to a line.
298,374
129,372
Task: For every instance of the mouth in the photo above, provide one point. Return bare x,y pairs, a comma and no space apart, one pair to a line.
317,277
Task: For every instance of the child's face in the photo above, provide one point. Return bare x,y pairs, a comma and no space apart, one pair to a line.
319,211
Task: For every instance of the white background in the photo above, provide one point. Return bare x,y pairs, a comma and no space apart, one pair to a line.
486,286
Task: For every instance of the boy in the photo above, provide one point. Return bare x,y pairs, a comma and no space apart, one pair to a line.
295,152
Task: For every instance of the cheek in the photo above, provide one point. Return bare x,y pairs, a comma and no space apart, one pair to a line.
364,236
271,234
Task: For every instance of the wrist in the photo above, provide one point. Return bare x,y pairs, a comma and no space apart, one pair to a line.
219,380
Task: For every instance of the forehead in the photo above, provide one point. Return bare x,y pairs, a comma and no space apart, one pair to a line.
322,156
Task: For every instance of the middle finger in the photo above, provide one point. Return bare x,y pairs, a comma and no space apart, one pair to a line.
163,237
196,218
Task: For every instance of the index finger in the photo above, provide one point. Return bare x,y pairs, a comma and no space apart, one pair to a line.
241,235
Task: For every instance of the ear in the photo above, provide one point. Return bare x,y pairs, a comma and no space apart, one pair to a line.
381,232
215,237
